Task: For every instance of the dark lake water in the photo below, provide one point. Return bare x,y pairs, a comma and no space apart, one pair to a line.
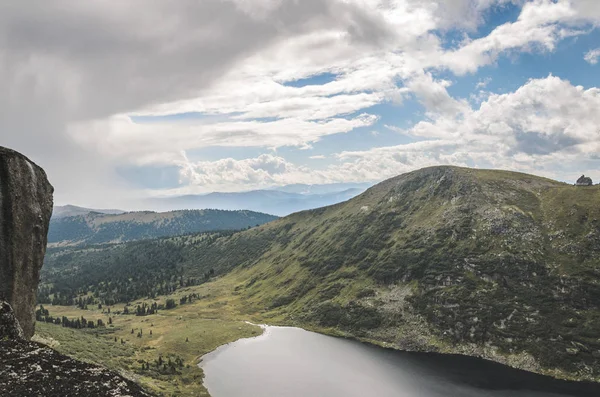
291,362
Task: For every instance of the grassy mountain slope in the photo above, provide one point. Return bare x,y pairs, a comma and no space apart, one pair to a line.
491,263
495,264
97,228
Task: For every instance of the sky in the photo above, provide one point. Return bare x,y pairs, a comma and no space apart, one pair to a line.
120,101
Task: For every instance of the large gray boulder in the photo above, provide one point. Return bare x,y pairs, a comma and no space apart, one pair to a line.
9,325
29,368
25,210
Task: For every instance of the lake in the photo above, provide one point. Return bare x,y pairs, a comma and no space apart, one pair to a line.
291,362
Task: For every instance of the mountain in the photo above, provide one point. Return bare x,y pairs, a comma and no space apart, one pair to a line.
328,188
63,211
494,264
97,228
277,202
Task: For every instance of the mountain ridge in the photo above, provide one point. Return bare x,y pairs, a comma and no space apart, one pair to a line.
63,211
304,188
99,228
273,201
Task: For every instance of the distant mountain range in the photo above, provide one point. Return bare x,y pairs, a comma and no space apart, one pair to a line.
329,188
279,201
73,225
94,227
63,211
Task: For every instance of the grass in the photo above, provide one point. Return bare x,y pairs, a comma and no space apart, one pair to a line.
459,261
205,324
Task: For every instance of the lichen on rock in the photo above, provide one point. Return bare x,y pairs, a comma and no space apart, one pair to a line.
32,369
9,325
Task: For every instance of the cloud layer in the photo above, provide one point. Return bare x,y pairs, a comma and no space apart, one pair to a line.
93,86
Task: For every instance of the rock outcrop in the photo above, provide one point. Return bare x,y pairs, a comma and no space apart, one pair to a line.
32,369
9,325
584,181
25,210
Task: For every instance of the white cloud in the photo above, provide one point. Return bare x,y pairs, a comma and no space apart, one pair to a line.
483,82
71,73
224,174
434,96
588,9
547,126
544,116
269,170
365,78
397,129
537,27
161,143
229,174
315,108
65,64
592,56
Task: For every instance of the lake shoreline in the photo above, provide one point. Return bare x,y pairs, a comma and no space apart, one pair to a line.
519,379
205,357
388,346
497,358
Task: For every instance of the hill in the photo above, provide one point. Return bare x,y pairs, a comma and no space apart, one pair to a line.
292,198
97,228
495,264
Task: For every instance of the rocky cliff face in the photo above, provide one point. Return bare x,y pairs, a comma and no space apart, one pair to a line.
30,368
25,210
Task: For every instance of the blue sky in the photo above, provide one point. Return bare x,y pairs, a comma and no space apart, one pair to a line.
508,72
348,91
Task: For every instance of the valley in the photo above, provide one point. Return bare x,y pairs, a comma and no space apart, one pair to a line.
184,333
490,264
301,198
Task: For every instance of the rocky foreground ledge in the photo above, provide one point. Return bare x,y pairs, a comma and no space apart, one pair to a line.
30,369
